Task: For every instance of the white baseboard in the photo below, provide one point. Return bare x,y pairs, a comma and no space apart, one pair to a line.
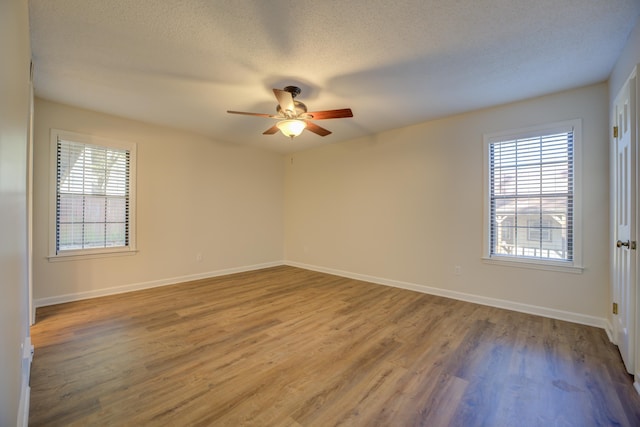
25,392
478,299
23,410
609,330
59,299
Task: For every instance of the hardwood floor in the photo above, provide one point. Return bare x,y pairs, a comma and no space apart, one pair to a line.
290,347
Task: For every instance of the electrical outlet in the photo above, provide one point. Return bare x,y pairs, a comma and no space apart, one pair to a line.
199,256
457,270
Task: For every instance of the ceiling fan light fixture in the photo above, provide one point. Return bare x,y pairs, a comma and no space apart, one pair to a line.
291,127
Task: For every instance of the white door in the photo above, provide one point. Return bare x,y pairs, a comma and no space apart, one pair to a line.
624,266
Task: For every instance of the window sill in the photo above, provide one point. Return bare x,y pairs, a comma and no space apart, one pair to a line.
76,256
564,267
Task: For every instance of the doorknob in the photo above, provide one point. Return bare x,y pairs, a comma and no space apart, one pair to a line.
620,243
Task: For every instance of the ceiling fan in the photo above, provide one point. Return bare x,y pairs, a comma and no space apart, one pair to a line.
293,116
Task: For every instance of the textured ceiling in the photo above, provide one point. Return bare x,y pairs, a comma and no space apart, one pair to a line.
183,63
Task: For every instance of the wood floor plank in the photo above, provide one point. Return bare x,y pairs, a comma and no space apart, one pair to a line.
290,347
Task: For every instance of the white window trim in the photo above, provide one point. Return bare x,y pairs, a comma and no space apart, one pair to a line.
574,266
70,255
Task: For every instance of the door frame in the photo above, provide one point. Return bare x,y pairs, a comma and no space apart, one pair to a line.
636,119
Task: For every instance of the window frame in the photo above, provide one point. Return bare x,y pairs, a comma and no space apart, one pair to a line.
130,249
571,266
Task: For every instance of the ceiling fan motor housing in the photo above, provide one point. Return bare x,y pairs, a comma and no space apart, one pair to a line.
299,106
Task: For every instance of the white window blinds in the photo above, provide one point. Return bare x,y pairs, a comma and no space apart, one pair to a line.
531,185
92,196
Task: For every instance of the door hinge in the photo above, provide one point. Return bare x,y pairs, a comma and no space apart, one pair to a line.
615,308
615,131
633,245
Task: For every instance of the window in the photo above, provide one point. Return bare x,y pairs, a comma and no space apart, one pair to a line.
532,213
93,195
537,231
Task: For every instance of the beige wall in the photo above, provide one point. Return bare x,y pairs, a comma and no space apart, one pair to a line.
407,206
194,195
14,124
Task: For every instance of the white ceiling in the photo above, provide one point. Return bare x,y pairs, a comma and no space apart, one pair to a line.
183,63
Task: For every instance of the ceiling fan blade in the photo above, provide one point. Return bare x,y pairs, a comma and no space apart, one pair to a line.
273,129
331,114
285,100
253,114
317,129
